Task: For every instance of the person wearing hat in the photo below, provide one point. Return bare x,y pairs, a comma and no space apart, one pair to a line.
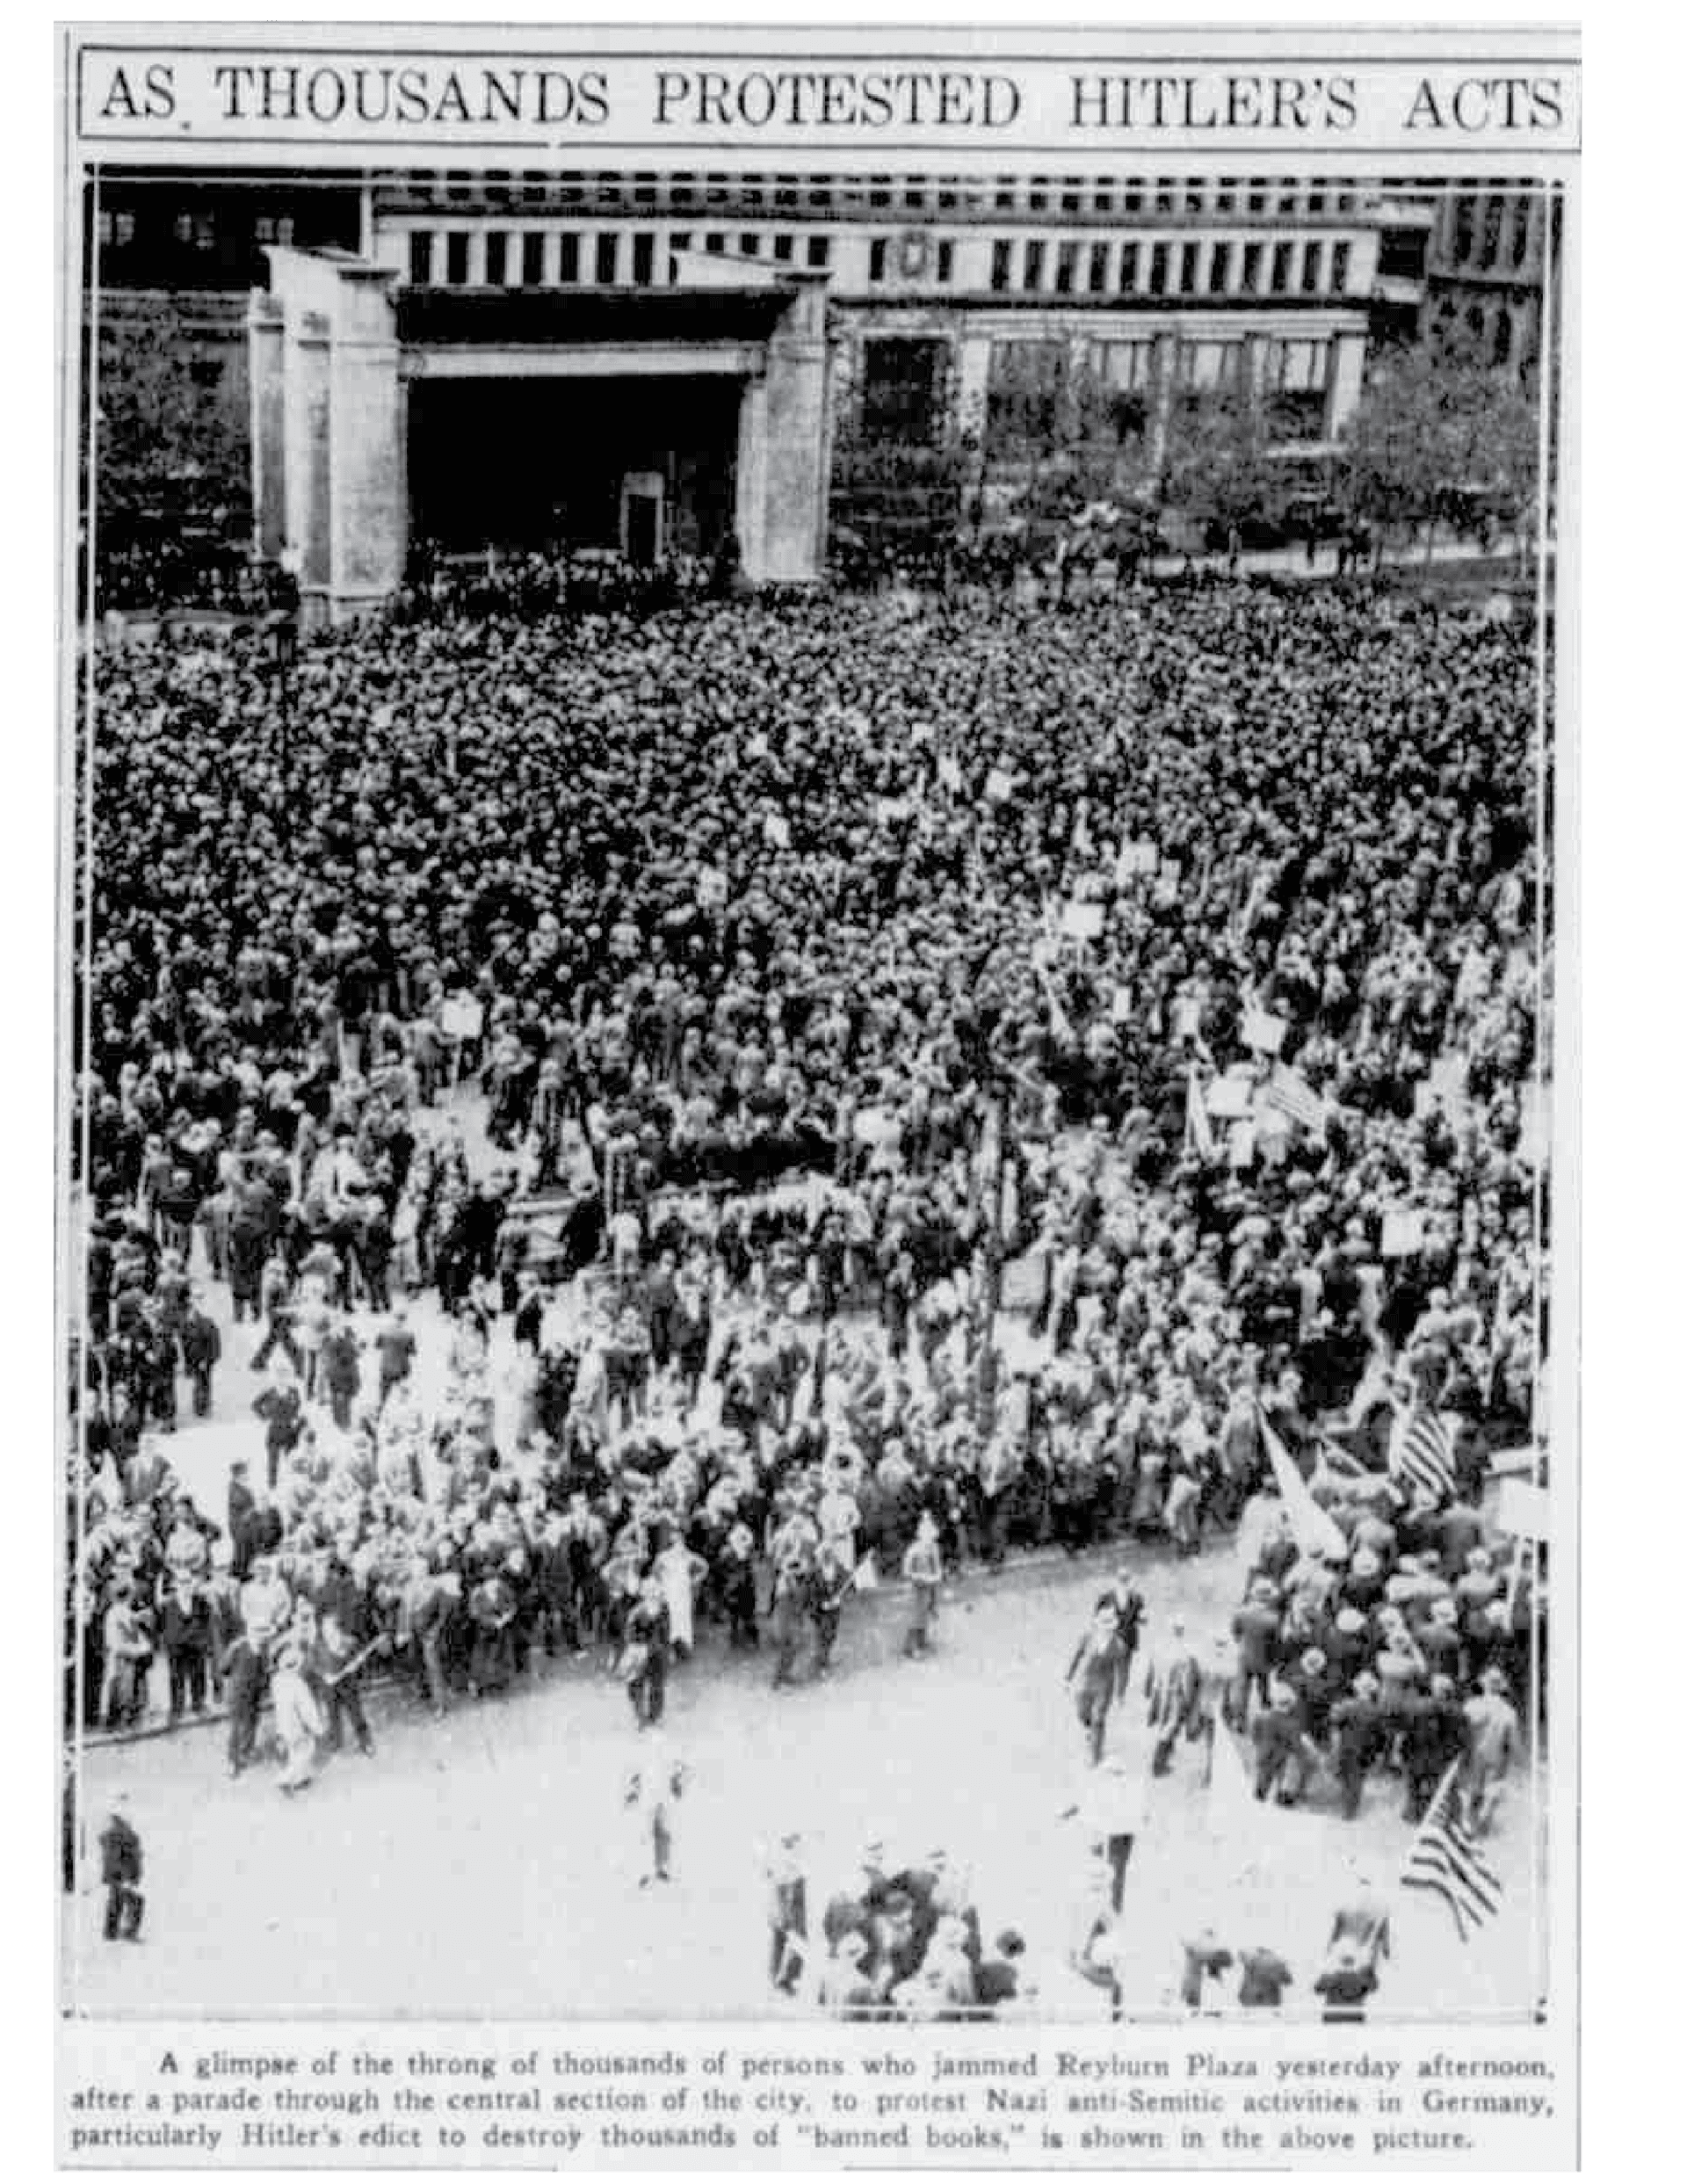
121,1870
1176,1692
1315,1685
1362,1733
298,1717
1110,1812
1346,1984
1263,1979
1097,1673
923,1567
1494,1744
1346,1644
201,1348
787,1915
1285,1756
1435,1738
1205,1958
1256,1626
654,1787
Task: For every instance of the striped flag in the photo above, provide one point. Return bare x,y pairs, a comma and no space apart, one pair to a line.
1444,1860
1315,1530
1198,1129
1290,1090
1421,1454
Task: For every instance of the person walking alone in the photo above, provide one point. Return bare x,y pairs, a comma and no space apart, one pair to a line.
923,1567
121,1865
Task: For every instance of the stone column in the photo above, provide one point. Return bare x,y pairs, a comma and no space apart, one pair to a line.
793,525
1346,378
367,469
265,335
750,483
306,412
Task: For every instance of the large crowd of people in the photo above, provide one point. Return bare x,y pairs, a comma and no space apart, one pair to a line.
958,1075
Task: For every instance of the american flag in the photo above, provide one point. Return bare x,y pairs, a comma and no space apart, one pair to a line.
1444,1860
1422,1454
1290,1090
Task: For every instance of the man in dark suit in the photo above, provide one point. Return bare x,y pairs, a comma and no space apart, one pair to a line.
121,1870
243,1506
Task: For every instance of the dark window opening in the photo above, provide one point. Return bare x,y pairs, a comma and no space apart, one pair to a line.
902,388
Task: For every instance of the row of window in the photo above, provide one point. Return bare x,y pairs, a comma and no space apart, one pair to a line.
1104,196
534,259
1103,390
1158,269
194,231
1491,234
608,258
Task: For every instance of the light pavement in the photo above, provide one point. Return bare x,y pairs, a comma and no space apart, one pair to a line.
486,1866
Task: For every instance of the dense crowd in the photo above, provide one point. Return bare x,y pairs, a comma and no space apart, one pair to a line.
755,926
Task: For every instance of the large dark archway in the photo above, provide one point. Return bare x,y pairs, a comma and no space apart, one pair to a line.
543,460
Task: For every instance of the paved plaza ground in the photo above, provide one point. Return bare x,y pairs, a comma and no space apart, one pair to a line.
485,1865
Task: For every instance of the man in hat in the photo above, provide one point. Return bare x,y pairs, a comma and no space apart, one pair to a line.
1362,1919
1205,1958
120,1866
1346,1984
1284,1755
1362,1736
787,1915
654,1788
394,1352
1434,1740
1176,1693
1097,1673
201,1348
735,1577
244,1669
298,1717
1265,1977
1132,1611
1256,1627
1494,1742
923,1567
1110,1812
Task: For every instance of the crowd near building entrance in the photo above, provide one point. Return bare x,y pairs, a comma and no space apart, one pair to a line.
385,416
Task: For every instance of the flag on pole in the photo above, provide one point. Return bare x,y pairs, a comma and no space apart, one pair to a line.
1421,1453
1197,1130
1444,1860
1315,1530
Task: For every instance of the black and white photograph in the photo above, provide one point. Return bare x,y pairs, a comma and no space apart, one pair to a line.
812,1260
